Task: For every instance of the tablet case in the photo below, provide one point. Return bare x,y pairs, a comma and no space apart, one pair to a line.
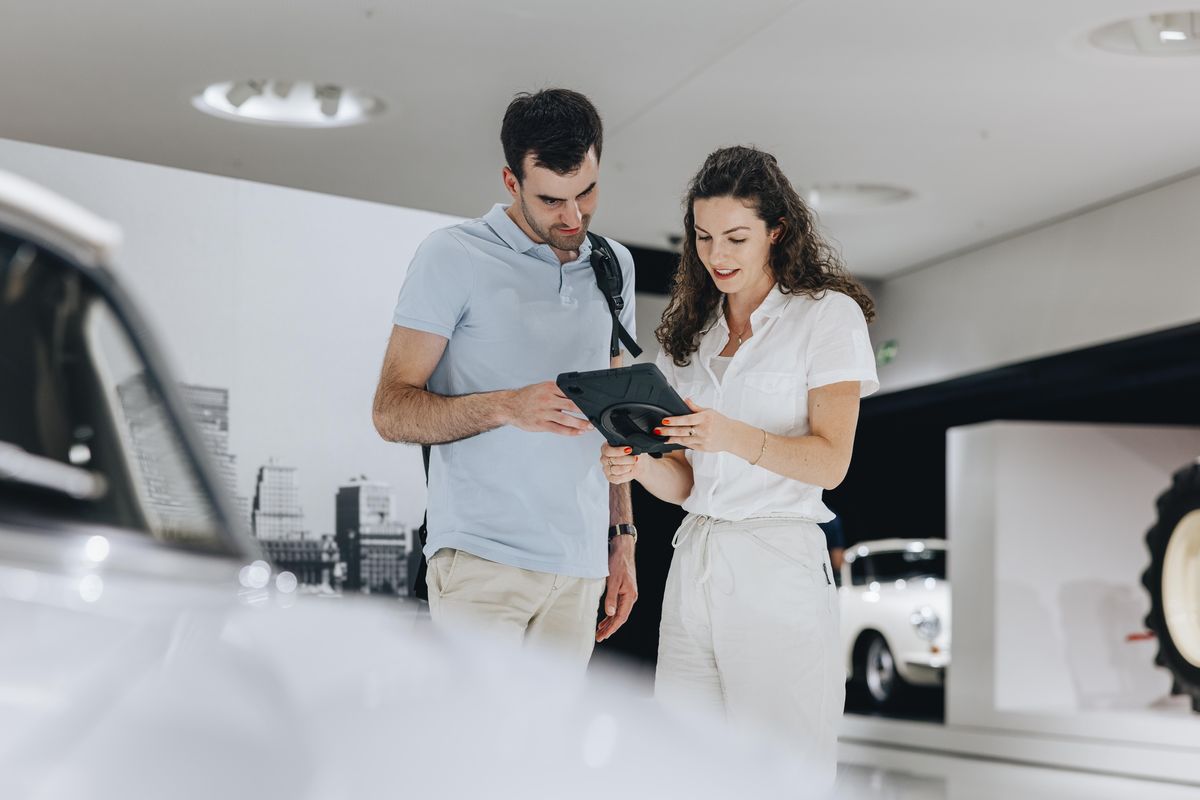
626,404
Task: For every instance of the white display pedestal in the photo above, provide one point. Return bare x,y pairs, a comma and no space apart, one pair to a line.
1045,525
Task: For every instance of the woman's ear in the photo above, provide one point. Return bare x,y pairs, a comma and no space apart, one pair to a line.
776,233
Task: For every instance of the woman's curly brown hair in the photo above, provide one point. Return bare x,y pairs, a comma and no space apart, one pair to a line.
801,261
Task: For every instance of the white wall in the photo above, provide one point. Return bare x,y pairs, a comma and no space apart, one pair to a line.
650,308
1128,268
282,296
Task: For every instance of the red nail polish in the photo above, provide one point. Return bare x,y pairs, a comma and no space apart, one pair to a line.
657,432
666,422
628,450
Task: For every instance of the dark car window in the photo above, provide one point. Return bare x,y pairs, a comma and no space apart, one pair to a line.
76,399
893,565
860,571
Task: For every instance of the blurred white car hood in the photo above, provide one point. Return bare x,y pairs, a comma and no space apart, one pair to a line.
213,691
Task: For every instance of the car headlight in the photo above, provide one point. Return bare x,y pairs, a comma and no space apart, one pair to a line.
927,623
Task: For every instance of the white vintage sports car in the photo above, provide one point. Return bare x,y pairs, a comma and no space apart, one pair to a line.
149,650
895,604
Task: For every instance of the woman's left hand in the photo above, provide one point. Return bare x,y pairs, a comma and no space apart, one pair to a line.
704,429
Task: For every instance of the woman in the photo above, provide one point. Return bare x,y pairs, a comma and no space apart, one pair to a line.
766,336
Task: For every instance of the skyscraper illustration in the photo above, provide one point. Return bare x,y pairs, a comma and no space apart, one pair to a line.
276,513
173,503
209,406
373,544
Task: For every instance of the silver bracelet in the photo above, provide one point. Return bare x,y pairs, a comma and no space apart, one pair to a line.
763,450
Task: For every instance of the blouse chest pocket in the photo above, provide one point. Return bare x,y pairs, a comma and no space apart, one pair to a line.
769,399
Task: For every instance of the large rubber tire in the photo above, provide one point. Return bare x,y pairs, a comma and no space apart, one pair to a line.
875,671
1173,581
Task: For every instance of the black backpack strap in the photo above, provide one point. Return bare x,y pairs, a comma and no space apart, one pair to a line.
611,282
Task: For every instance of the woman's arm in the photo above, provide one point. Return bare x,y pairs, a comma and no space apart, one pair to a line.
668,478
820,458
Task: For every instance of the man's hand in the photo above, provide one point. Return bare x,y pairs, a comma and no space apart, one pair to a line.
543,408
621,592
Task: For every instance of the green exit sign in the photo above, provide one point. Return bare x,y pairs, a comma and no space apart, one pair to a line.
886,352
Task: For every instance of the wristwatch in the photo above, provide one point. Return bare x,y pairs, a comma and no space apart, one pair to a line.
624,529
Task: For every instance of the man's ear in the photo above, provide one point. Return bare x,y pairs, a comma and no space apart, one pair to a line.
511,183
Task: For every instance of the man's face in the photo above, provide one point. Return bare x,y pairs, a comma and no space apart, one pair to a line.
557,208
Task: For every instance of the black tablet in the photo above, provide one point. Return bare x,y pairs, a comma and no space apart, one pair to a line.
626,405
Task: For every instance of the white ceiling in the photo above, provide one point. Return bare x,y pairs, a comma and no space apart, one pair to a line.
996,115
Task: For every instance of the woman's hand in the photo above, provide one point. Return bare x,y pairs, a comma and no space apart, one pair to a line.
704,429
619,465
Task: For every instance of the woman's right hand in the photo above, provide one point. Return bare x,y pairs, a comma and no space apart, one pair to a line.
619,464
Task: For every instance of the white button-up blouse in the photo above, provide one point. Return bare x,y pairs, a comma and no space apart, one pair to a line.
798,344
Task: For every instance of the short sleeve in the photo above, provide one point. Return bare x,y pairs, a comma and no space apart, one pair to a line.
437,288
839,348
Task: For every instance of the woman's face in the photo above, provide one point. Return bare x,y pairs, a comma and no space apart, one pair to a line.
733,244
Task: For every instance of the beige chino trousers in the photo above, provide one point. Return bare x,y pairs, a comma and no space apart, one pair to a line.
519,606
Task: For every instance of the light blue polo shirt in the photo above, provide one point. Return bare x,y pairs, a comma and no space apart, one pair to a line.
514,316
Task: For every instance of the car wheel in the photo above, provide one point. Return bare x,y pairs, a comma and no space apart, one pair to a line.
1173,581
878,670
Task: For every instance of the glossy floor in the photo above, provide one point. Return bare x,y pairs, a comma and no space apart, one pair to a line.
871,773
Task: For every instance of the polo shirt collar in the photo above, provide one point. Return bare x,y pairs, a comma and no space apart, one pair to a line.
499,221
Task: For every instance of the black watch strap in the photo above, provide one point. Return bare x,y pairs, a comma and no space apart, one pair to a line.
624,529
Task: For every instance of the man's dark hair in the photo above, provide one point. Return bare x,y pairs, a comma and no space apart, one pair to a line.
556,125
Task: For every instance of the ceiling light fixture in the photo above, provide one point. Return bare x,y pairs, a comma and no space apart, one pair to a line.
1174,34
241,91
329,97
300,104
848,198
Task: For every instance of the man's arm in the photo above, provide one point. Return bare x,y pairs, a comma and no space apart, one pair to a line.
620,504
621,589
405,412
837,557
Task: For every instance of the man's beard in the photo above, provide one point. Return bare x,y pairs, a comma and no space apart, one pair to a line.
555,238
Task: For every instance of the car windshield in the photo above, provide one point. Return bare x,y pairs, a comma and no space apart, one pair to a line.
893,565
85,434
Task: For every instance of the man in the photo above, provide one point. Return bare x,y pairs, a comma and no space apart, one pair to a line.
491,311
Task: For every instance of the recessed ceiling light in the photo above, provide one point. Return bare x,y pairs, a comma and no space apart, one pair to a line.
300,104
1174,34
842,198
